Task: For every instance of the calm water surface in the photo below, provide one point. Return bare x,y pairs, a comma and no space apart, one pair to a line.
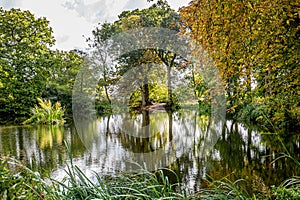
186,142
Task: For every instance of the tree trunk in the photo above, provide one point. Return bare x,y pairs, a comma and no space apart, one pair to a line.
146,124
170,100
169,68
106,94
169,64
145,93
170,125
105,87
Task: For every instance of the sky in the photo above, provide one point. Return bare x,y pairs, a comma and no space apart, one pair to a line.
73,20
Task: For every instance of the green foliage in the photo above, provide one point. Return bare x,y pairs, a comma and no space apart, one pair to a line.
103,107
101,49
65,66
24,60
204,107
28,68
255,46
18,182
47,113
124,186
158,94
251,113
223,189
262,111
226,189
289,189
158,15
286,193
201,92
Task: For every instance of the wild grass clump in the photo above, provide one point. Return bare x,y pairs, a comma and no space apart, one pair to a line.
46,113
226,189
289,189
122,186
145,185
223,189
16,180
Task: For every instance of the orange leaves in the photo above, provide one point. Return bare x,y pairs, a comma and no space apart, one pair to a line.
250,41
232,109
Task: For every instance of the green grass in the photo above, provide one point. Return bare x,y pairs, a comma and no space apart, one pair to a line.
289,189
19,182
24,183
145,185
223,189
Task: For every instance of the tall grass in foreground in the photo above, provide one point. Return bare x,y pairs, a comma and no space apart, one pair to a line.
46,113
223,189
143,185
226,189
21,182
126,186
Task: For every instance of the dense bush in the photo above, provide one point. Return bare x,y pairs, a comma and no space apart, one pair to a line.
46,113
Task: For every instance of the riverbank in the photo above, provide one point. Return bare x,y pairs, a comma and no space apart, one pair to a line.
16,180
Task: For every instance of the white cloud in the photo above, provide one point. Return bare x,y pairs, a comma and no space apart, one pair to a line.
96,11
68,27
108,10
176,4
73,19
62,38
134,4
8,4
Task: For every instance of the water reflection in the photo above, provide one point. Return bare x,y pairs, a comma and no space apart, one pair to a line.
190,144
150,139
38,146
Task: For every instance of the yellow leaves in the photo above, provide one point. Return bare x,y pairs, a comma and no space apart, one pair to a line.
11,97
250,5
133,21
46,105
45,113
57,106
31,57
133,18
278,116
232,109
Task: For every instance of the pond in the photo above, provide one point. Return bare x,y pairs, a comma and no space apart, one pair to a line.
188,143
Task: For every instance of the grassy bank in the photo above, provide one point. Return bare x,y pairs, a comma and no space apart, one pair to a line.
19,182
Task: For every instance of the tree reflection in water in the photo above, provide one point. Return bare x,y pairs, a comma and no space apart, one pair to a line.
190,144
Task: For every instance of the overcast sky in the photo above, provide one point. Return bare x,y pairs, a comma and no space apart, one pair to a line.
71,20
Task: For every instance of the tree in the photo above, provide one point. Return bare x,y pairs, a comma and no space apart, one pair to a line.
220,29
24,60
158,15
64,68
101,48
255,46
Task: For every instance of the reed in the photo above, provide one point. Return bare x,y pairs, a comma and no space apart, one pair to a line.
46,113
17,180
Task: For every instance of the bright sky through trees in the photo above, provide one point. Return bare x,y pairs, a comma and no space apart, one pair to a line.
73,19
